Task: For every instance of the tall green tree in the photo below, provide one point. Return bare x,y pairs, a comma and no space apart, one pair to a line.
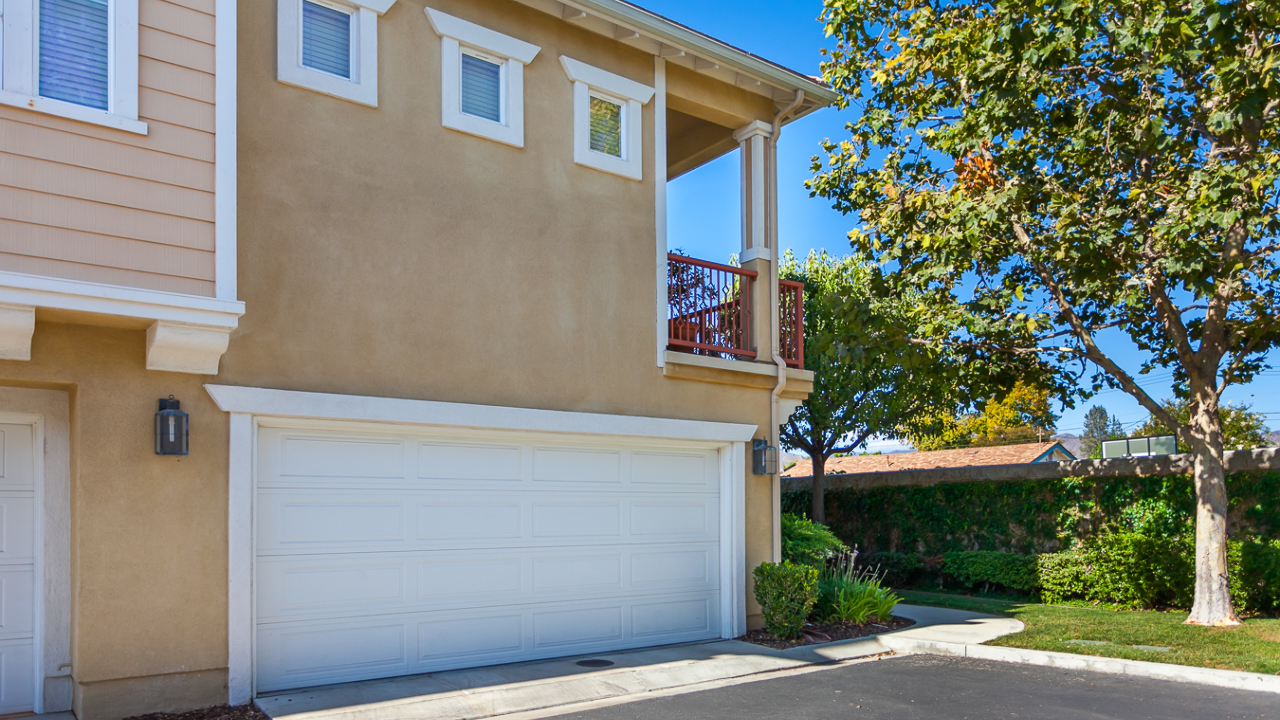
1039,172
1099,426
1242,429
865,390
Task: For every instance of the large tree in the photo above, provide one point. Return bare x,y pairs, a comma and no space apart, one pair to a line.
1099,427
1242,428
871,388
1049,175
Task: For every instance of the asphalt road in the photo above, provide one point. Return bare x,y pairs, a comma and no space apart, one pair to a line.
925,687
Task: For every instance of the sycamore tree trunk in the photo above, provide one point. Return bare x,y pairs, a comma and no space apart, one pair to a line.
818,511
1213,588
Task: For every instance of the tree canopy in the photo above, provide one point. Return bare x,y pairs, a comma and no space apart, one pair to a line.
1022,415
1040,174
1100,426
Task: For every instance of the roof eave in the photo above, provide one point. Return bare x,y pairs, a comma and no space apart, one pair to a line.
671,33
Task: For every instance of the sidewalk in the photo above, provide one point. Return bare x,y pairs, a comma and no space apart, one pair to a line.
504,689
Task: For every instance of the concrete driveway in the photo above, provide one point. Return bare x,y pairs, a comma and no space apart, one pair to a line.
925,687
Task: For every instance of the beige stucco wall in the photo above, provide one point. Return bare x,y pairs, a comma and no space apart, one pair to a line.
91,203
383,255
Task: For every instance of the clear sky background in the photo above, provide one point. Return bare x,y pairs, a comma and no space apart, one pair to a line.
704,221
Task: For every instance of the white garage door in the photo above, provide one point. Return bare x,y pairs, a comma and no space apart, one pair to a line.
382,555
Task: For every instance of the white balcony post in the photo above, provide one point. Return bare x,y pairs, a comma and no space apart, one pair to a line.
755,194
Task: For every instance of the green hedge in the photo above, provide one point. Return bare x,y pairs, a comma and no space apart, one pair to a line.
896,569
1260,575
1034,517
1006,570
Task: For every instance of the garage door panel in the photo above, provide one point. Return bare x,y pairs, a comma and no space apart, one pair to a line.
416,552
299,654
440,461
327,521
323,587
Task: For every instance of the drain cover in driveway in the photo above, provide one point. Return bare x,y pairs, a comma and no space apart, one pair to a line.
595,663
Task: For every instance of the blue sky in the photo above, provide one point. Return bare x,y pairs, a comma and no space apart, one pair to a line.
704,205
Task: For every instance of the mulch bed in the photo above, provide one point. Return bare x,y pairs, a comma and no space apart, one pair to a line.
819,633
217,712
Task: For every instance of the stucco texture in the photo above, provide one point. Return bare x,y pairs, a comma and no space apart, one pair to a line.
379,254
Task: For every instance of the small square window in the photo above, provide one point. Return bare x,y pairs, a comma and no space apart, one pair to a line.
326,39
606,126
482,79
481,87
607,119
73,51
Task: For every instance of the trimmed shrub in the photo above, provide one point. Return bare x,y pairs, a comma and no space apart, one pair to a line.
808,543
896,570
786,591
1062,575
984,567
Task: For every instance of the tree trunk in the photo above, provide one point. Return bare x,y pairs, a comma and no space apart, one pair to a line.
1213,588
818,511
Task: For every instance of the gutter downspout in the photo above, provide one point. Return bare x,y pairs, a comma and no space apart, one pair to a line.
771,223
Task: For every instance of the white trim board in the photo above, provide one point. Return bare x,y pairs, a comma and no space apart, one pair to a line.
224,141
251,407
48,411
61,294
324,406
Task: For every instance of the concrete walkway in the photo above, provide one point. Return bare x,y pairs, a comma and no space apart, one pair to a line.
504,689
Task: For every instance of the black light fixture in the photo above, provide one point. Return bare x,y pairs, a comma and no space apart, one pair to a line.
764,458
172,428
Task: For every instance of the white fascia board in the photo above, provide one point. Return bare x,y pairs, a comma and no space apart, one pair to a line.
325,406
76,295
481,38
579,71
635,18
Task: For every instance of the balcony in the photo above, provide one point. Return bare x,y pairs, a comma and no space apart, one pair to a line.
710,313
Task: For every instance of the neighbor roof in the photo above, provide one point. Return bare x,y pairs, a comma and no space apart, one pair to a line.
649,31
934,459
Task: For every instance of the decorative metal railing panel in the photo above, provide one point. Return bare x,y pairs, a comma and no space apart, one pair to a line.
709,308
791,322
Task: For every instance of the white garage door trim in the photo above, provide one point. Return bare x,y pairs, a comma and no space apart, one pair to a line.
251,407
47,412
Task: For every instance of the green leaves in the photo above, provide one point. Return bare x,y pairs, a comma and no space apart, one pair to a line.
1035,173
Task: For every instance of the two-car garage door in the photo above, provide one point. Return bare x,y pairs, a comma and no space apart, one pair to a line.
382,554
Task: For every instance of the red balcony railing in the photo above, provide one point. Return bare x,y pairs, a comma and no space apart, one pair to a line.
791,322
709,307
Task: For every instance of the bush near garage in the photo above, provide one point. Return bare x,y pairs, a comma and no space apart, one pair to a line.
786,592
808,543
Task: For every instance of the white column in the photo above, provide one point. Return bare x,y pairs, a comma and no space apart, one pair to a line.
240,492
755,234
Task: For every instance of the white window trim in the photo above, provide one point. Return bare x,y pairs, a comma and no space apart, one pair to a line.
362,87
250,407
588,80
459,36
21,51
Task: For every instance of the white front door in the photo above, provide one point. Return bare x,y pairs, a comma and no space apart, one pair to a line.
383,553
17,568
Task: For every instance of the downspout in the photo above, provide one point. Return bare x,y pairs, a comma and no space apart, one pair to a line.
771,223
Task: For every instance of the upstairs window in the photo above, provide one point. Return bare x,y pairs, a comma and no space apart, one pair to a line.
330,46
606,126
74,52
482,79
326,39
482,87
607,117
77,59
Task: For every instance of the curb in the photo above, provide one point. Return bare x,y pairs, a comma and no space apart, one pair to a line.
1235,680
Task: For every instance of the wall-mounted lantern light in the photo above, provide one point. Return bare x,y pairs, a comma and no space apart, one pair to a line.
764,458
172,429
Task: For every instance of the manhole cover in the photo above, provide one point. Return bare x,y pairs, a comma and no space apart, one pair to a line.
595,663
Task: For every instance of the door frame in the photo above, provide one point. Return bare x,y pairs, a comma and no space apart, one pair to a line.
47,412
249,408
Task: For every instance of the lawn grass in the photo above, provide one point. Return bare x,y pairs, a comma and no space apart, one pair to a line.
1253,647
